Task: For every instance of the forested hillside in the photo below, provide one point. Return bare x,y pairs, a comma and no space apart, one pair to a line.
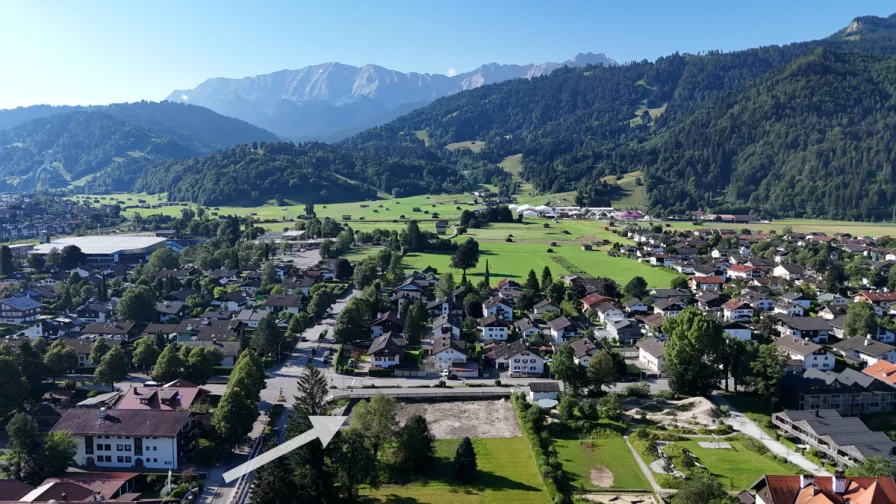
816,138
579,125
244,175
54,146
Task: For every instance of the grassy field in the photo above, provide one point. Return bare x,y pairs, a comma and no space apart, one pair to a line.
633,196
514,260
506,474
512,165
578,459
736,468
802,226
423,135
473,145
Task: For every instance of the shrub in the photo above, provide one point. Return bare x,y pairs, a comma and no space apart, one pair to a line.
498,382
640,390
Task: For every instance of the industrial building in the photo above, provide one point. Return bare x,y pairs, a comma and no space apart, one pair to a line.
107,249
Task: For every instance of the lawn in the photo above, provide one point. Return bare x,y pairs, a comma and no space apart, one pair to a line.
514,260
579,458
801,226
512,165
473,145
506,474
737,468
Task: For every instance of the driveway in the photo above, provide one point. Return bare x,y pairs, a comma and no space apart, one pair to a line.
740,422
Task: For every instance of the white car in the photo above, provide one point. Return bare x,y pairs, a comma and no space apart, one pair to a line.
445,373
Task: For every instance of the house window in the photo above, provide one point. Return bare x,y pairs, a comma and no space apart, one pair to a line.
127,447
127,459
120,459
119,447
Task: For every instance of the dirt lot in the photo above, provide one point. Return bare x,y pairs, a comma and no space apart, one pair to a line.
476,419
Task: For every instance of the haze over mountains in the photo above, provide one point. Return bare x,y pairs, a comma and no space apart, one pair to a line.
331,101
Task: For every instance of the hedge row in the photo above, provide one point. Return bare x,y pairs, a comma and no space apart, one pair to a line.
546,460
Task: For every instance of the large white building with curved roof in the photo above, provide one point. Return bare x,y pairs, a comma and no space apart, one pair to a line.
107,249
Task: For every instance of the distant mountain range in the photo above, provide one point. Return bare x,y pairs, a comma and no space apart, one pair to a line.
332,101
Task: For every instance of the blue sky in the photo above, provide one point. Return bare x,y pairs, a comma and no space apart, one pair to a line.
99,51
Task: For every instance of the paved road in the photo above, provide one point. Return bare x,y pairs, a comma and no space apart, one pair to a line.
740,422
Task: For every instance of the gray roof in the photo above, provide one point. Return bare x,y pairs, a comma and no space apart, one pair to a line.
123,422
798,345
652,346
805,323
21,303
559,323
864,345
544,387
228,348
387,345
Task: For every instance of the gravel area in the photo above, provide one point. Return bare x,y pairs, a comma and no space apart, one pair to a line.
476,419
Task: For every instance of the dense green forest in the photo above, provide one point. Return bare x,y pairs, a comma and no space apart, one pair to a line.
58,145
244,175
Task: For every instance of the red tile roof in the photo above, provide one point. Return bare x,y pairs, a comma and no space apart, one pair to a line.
178,398
876,297
863,490
708,280
882,370
593,299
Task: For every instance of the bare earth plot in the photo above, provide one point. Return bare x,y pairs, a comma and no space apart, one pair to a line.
476,419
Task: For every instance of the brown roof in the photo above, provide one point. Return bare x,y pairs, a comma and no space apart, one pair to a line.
13,489
158,398
862,490
123,422
106,483
108,328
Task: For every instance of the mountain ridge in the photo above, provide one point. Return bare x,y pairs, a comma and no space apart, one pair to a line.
259,99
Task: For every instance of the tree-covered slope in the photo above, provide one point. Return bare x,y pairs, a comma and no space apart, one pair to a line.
63,144
244,175
816,138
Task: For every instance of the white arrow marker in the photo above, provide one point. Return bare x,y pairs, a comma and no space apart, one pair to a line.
324,428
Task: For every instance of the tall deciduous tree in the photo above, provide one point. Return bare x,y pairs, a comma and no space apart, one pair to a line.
200,364
446,286
113,367
351,324
137,304
564,367
466,256
58,453
354,462
99,348
860,320
24,448
71,257
376,419
636,288
691,352
169,366
876,467
145,352
601,370
60,359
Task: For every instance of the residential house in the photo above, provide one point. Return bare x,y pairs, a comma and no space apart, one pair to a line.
385,351
835,489
496,306
792,272
625,332
653,325
846,441
744,272
132,438
883,371
231,301
229,349
583,350
544,307
738,330
526,328
650,353
445,306
122,330
544,390
791,309
290,303
831,299
811,355
447,352
494,327
880,300
668,308
707,283
447,325
607,311
168,310
812,328
564,329
797,298
160,398
93,312
709,301
661,294
635,306
208,329
387,323
19,310
251,318
865,350
737,310
592,300
517,358
758,300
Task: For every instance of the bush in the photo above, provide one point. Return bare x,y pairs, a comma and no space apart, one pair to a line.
640,390
498,382
668,481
